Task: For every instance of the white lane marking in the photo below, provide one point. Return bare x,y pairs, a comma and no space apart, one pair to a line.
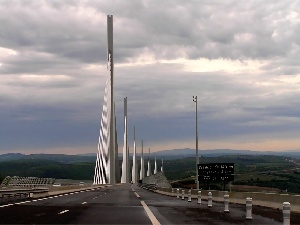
60,195
71,193
40,199
83,203
151,216
95,198
27,201
81,191
62,212
51,197
2,206
137,195
34,200
76,192
44,198
55,196
66,194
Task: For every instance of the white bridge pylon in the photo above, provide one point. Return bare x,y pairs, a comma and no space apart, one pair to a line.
125,164
107,167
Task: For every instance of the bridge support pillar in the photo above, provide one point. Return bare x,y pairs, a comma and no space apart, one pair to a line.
286,210
182,195
172,192
226,203
209,199
249,208
190,196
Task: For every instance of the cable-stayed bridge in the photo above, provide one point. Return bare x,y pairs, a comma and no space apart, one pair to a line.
119,198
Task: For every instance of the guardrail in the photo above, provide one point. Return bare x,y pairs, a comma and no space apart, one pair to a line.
15,194
151,187
271,200
285,202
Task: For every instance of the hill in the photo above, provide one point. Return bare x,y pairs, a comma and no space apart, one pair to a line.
54,157
187,152
47,168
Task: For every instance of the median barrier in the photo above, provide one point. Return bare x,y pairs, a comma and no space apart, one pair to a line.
209,199
189,196
249,208
270,200
199,197
286,211
226,203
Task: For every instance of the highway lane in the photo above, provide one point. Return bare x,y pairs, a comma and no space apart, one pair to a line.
111,205
126,204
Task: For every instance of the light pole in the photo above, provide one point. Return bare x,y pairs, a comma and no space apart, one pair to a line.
197,157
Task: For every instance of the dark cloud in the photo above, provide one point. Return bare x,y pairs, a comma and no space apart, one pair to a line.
53,56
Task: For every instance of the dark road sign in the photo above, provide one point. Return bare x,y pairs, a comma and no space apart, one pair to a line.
216,172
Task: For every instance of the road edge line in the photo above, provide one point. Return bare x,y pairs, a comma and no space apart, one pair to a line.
151,216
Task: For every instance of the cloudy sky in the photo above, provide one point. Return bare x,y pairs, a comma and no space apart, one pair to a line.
241,58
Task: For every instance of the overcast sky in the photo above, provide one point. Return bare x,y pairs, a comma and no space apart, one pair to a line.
241,58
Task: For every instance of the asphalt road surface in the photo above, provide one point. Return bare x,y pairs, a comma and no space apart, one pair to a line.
126,204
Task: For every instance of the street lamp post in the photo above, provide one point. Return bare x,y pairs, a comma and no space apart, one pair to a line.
197,157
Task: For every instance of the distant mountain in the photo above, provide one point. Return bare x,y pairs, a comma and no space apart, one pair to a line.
183,153
166,154
62,158
11,156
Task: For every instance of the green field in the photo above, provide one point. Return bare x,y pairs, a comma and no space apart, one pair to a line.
252,170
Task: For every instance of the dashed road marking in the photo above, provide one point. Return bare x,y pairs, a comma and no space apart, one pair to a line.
2,206
62,212
71,193
151,216
137,195
51,197
83,203
34,200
